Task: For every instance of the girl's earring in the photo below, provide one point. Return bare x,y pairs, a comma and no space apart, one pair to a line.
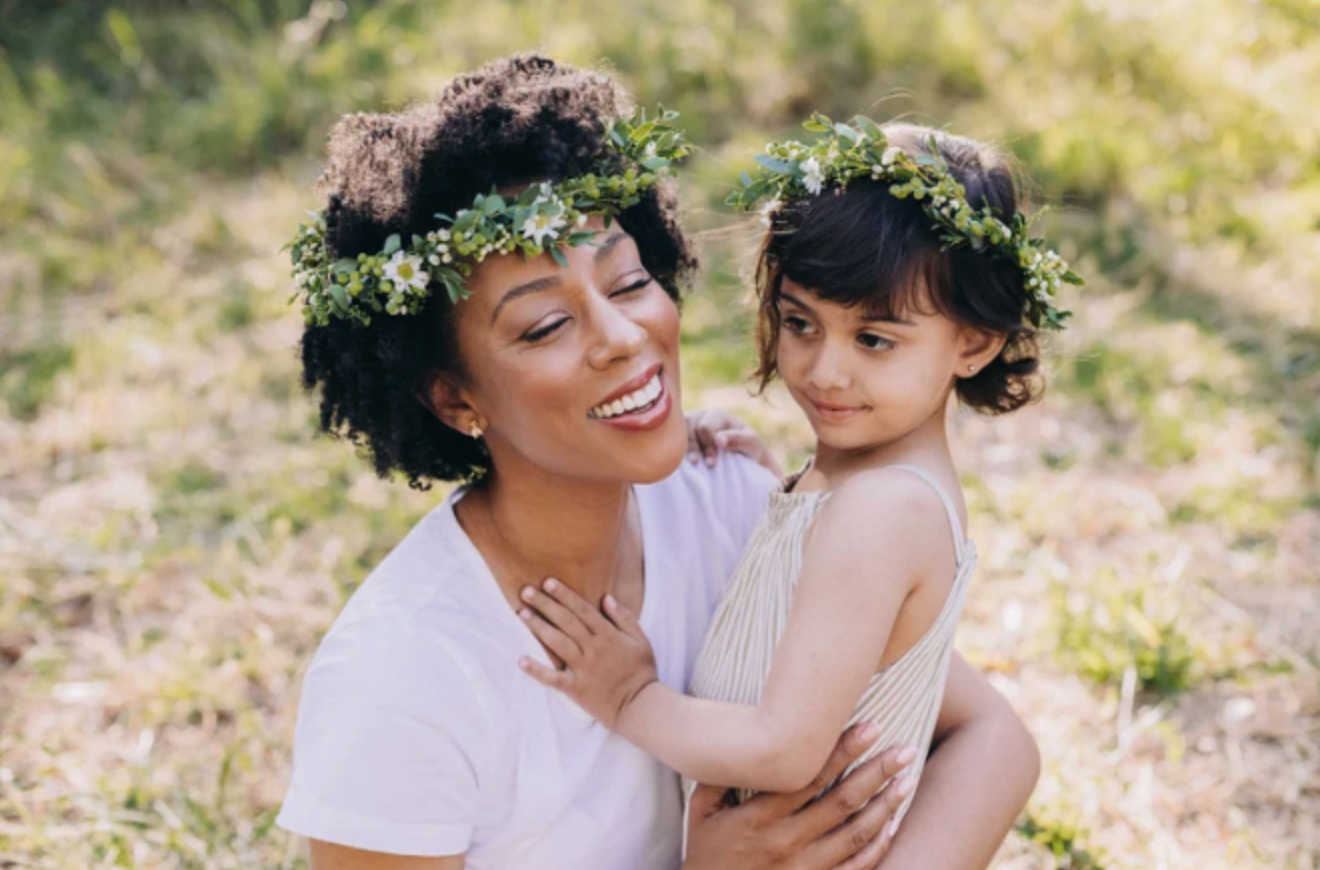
474,430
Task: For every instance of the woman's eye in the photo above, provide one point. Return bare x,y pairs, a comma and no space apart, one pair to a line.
636,285
536,335
874,342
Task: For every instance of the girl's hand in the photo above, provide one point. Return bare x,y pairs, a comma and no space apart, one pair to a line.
711,431
607,659
838,830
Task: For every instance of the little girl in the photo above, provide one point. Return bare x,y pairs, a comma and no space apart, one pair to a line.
896,269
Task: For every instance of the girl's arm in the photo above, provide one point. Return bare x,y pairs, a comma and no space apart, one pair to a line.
873,543
332,856
982,769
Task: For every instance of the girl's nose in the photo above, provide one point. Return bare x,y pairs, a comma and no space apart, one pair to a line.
828,371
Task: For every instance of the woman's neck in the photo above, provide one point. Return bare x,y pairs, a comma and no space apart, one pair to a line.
532,525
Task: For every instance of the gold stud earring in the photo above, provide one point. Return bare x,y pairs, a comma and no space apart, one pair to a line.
474,430
971,368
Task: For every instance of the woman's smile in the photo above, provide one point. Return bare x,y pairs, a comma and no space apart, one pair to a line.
641,404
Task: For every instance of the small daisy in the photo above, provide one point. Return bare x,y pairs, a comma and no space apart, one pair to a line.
538,227
405,270
814,178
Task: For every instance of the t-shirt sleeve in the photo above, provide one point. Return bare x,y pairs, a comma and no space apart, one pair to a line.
388,749
740,489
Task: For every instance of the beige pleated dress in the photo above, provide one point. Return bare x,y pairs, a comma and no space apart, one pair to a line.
903,699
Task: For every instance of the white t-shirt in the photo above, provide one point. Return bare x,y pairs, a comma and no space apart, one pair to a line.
418,734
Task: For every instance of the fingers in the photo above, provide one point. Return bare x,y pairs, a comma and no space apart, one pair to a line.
559,616
559,643
580,607
847,797
546,676
704,433
623,618
864,840
851,745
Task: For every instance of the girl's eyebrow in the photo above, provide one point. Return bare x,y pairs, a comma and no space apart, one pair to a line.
870,318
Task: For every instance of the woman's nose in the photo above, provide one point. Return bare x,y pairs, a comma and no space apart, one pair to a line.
616,335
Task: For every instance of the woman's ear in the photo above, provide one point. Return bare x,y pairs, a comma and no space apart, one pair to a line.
451,404
979,349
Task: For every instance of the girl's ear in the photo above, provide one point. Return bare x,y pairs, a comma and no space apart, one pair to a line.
451,404
979,349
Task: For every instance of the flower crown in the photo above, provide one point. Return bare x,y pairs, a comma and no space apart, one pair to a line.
543,218
861,150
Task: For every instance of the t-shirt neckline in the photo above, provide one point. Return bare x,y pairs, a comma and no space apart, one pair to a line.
491,588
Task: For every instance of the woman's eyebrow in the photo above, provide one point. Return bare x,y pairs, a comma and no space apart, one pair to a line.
524,290
603,250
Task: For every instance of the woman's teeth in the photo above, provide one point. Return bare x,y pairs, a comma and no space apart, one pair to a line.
639,400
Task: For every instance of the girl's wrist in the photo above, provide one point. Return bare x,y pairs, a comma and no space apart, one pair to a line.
630,705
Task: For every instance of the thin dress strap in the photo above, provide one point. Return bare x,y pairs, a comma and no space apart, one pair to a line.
959,541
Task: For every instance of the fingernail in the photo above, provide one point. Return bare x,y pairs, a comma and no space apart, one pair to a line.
693,457
869,732
609,601
551,585
522,662
524,613
528,593
893,828
906,754
905,786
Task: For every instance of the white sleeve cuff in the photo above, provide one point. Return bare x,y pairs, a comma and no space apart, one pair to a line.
350,829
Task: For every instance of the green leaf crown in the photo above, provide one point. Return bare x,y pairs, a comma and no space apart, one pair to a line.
860,149
543,218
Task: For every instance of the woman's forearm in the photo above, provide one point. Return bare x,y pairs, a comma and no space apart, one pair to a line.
975,784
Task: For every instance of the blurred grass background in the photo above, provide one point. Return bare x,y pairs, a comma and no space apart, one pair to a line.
174,540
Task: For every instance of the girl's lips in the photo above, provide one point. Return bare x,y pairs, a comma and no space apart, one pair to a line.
649,418
834,413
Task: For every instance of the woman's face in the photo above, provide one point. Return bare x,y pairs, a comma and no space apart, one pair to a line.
864,382
574,370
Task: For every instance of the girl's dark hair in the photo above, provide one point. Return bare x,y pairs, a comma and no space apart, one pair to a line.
867,247
517,120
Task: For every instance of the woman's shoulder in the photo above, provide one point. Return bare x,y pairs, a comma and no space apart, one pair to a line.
732,494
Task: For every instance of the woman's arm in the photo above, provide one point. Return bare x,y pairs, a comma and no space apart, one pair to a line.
843,610
332,856
981,771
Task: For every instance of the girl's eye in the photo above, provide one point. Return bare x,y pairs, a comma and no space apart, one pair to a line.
536,335
795,324
633,287
874,342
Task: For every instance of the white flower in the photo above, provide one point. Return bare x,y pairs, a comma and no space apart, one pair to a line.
887,158
405,270
443,235
768,210
649,151
814,178
538,227
547,194
581,220
434,259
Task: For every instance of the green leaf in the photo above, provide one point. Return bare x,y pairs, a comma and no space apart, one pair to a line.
492,204
581,237
780,166
340,296
746,179
846,132
558,255
871,128
392,244
655,163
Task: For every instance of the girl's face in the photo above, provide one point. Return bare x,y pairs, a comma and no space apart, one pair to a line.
862,382
574,370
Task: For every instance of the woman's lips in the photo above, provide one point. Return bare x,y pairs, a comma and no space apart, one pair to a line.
647,417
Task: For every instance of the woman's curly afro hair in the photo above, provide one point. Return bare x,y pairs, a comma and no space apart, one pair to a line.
514,121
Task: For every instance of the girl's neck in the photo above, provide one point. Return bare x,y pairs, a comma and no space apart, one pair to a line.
925,445
533,525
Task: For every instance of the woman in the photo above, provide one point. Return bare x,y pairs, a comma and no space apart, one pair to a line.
555,386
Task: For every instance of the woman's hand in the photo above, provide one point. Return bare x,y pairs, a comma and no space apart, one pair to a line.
712,431
607,658
798,831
